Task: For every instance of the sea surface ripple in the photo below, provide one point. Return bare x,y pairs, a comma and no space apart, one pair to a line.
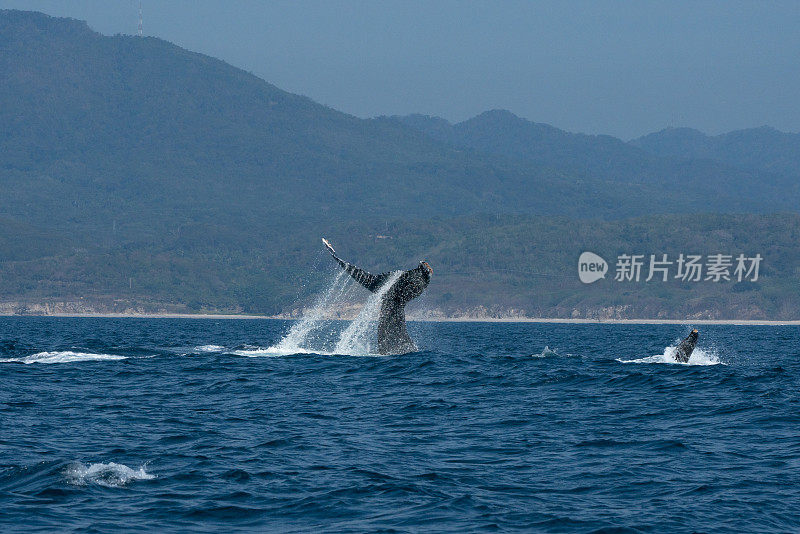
181,424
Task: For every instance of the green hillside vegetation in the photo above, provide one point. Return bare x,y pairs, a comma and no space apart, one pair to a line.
491,266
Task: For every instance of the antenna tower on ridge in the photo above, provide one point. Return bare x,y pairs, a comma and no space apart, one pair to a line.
140,18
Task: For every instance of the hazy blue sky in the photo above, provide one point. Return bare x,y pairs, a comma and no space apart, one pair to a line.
623,68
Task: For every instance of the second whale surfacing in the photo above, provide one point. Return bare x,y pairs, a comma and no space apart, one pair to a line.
393,336
686,347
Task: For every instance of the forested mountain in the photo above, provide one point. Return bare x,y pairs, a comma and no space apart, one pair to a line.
723,171
97,129
761,149
134,171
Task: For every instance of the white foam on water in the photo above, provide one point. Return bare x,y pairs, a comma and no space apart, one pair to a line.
275,351
209,348
698,357
357,338
547,351
64,356
110,475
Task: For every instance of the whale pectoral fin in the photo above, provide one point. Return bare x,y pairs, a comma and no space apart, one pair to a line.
372,282
329,247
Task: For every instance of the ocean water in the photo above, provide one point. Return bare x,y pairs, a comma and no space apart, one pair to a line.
175,425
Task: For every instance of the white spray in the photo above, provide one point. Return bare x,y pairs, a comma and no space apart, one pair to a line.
297,340
698,357
357,338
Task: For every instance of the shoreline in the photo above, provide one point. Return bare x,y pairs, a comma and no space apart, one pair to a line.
543,320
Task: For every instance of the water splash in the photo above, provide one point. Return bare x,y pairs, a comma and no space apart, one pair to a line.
110,475
357,338
315,334
275,351
547,351
299,338
698,357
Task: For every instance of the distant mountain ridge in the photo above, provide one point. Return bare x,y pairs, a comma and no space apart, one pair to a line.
764,148
746,159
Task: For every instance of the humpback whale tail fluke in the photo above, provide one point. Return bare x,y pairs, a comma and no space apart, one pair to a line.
393,336
686,347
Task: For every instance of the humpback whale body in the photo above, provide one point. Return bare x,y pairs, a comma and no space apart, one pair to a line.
686,347
393,337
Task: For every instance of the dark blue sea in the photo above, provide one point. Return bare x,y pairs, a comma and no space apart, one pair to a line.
111,425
